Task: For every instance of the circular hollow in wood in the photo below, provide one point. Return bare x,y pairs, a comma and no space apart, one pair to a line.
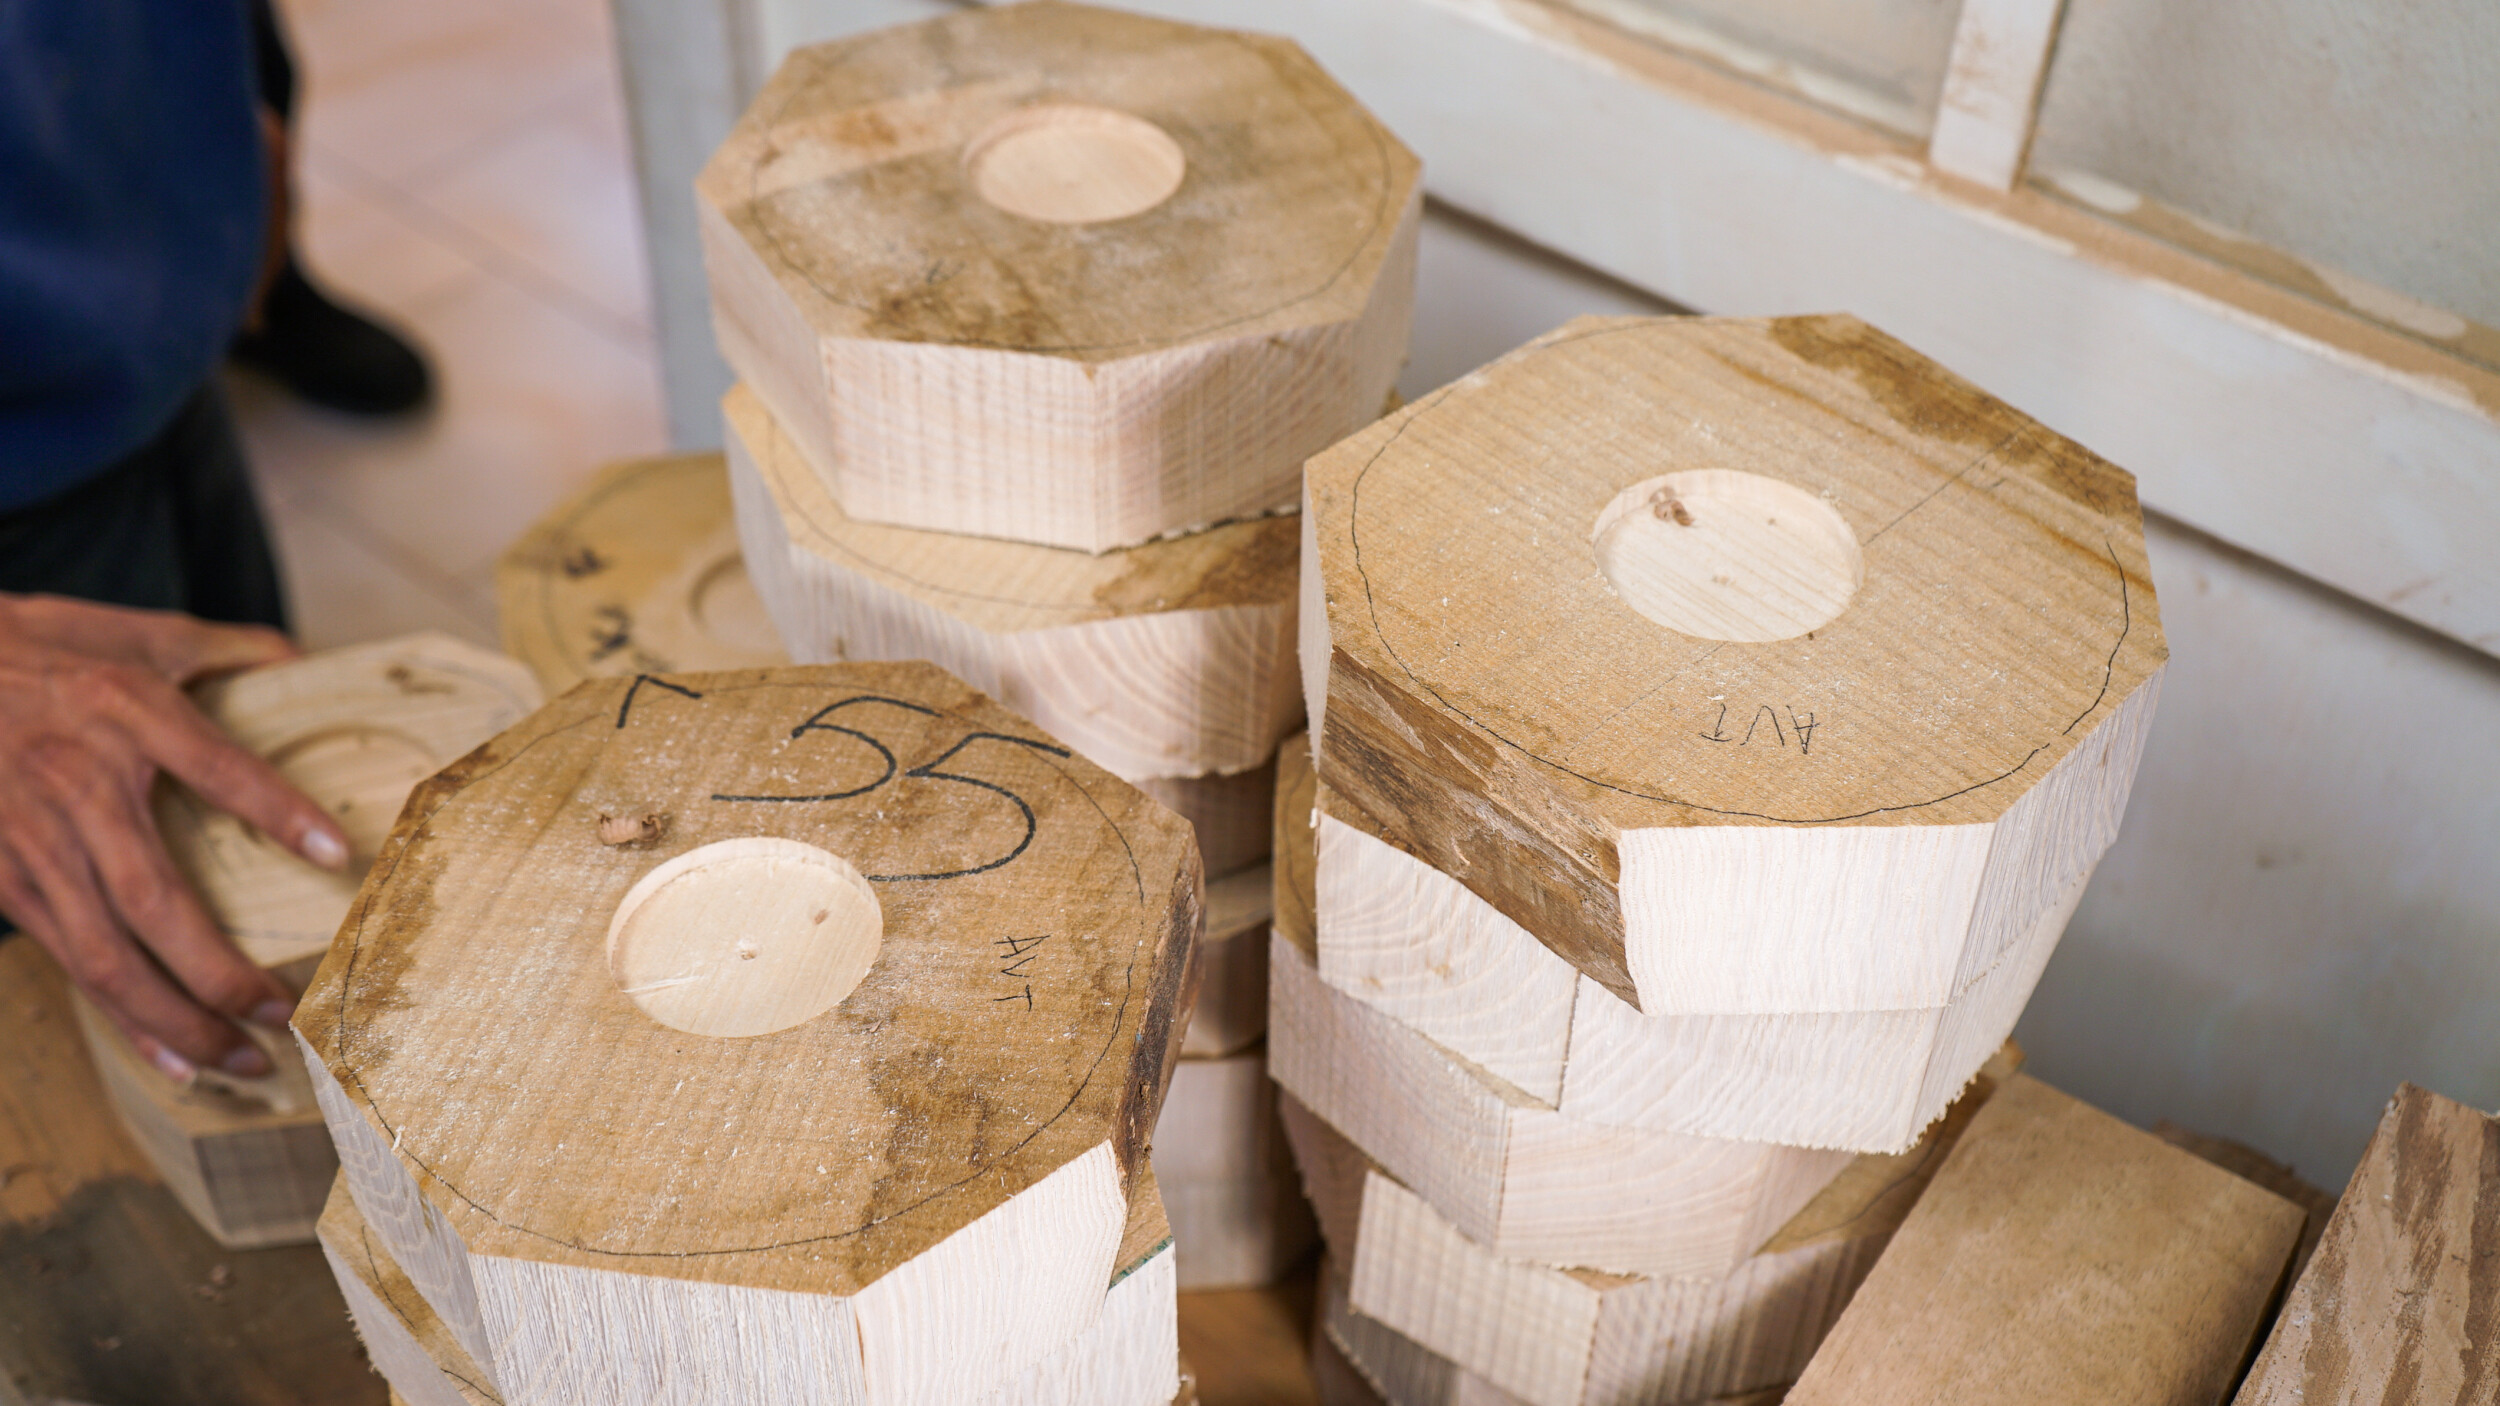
1074,164
745,937
361,775
1721,554
730,611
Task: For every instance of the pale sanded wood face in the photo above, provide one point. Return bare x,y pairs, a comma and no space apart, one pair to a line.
355,728
638,573
1036,916
1057,178
2004,608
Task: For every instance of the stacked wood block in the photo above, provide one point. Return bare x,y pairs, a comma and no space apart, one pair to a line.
1717,722
1037,312
638,573
772,1035
353,728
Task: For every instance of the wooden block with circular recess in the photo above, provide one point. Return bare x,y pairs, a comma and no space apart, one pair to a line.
1061,274
1753,667
1420,947
1171,659
637,573
1127,1358
786,1034
355,728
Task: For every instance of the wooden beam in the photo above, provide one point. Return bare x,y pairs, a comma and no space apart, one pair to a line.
2062,1256
1060,274
864,882
639,572
2399,1302
1992,89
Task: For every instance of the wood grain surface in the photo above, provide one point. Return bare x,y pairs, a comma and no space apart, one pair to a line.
639,572
2062,1256
533,1144
1713,827
948,364
2401,1302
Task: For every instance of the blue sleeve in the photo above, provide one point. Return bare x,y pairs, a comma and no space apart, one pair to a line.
133,204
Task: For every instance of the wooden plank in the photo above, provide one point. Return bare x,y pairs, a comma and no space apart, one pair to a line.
1232,815
109,1290
2402,1300
2239,400
1992,89
2241,1160
1060,275
1249,1347
1418,946
637,573
2062,1256
955,927
1227,1178
1171,659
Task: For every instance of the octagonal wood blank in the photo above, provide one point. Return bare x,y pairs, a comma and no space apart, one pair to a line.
946,362
1867,812
911,1196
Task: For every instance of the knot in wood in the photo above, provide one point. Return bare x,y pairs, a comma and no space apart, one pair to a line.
635,827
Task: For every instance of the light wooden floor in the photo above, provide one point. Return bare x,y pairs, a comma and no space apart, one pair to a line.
464,167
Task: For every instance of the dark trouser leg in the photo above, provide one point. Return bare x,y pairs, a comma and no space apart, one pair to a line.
176,526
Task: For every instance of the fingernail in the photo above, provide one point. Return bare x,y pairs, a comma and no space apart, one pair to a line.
274,1014
247,1062
173,1066
324,849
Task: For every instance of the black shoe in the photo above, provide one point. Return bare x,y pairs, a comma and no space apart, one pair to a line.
331,356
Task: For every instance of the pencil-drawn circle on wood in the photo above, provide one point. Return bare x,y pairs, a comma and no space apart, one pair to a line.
2005,603
1029,904
745,937
730,611
1721,554
1074,164
361,775
848,182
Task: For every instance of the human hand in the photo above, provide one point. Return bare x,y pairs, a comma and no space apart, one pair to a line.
91,709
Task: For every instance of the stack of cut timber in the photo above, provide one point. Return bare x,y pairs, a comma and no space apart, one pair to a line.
354,729
1037,312
775,1035
638,573
1717,723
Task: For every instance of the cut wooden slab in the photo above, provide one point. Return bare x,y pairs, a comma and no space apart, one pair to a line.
1511,1173
1537,1329
2241,1160
2062,1256
1128,1358
1231,1014
1422,948
1752,666
1385,1367
1174,658
862,933
1057,274
2402,1300
1227,1176
354,728
638,573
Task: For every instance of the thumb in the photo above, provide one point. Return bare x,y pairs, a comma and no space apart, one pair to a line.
188,649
